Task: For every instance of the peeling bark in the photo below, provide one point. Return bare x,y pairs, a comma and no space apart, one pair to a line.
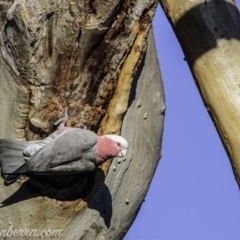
209,34
88,56
69,55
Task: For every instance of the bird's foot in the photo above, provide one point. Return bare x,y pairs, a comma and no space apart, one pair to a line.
62,121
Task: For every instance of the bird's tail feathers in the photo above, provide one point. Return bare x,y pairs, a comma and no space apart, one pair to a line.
11,155
9,179
11,158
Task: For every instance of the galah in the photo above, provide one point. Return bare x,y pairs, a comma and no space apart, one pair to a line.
66,151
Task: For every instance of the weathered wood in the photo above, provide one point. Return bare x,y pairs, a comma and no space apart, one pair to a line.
209,34
84,55
69,54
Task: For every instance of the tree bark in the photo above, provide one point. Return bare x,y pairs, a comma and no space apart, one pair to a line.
90,57
209,34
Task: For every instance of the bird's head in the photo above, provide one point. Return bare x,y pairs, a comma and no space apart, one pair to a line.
121,144
110,146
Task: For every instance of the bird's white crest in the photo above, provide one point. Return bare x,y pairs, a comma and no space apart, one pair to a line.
119,140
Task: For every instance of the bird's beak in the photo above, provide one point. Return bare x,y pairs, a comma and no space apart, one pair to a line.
122,153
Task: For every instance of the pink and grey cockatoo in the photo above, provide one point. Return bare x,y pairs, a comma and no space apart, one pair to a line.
66,151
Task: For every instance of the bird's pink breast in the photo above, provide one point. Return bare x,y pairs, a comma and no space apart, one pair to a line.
106,149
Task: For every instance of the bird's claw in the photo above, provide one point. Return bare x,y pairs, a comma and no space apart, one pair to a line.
62,121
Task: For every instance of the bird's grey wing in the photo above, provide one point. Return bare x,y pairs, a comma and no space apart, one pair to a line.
31,149
72,150
72,145
78,166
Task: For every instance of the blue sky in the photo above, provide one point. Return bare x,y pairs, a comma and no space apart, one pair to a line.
193,195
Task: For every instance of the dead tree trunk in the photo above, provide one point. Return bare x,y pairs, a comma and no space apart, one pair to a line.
89,56
209,33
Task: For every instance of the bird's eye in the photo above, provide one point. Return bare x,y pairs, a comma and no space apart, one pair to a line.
119,144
